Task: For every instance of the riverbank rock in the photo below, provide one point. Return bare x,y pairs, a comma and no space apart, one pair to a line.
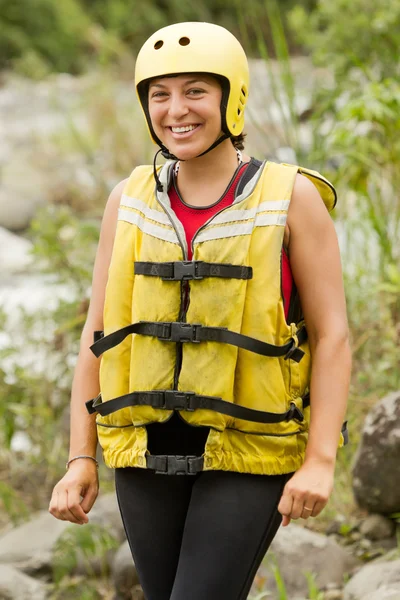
296,551
375,581
105,513
14,253
14,585
29,546
378,457
377,527
124,574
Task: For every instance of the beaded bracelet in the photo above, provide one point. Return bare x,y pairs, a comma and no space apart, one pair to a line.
81,456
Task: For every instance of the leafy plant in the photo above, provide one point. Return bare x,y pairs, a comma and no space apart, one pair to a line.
80,546
13,504
314,592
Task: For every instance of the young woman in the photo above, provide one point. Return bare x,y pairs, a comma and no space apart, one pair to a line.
223,281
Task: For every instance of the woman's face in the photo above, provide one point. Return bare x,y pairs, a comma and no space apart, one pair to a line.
185,112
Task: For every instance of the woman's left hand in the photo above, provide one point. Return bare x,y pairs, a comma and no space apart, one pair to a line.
307,492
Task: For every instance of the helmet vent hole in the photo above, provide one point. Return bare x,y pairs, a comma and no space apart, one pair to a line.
158,44
184,41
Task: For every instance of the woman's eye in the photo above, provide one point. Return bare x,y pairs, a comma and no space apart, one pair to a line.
195,92
158,94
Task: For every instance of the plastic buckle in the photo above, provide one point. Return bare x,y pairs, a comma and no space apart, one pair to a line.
178,332
174,400
91,405
294,413
295,353
176,465
185,270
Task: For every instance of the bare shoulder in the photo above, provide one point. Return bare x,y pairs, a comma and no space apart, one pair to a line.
307,212
305,196
114,198
111,210
103,257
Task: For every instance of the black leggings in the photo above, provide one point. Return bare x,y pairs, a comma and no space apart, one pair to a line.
198,537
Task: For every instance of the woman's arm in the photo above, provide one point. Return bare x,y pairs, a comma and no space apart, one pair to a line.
316,268
81,478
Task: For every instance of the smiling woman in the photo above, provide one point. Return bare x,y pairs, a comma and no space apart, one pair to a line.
217,283
185,113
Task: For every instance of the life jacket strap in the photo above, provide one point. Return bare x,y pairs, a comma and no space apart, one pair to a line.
177,400
188,332
167,464
192,269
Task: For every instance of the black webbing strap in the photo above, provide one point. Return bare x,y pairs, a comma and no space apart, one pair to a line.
249,173
192,269
187,332
177,400
165,464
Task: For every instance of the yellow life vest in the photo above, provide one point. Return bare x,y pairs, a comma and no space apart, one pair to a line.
206,337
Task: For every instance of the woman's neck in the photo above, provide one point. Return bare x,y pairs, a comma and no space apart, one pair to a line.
202,181
216,166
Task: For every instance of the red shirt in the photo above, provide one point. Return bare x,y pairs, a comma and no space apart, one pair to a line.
192,218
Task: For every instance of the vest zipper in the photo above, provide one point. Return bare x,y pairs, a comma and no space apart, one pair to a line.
184,293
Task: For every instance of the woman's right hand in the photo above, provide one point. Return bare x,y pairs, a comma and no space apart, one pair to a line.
74,495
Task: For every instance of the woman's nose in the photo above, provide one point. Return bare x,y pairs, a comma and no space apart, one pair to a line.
178,106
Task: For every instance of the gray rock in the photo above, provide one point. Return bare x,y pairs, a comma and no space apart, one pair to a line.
297,551
378,457
14,253
14,585
29,546
333,595
377,527
137,593
124,574
105,512
23,189
375,581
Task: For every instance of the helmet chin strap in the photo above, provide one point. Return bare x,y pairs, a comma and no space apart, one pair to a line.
167,154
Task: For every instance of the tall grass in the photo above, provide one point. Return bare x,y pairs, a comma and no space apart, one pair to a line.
280,75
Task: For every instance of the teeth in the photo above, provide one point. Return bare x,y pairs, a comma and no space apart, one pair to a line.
183,129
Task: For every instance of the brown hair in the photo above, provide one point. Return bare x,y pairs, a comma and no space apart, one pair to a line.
238,141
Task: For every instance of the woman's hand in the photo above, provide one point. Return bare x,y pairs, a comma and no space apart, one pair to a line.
307,492
81,481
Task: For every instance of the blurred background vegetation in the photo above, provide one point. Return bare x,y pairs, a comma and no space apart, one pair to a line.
353,121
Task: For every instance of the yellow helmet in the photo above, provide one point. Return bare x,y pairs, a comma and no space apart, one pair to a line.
197,48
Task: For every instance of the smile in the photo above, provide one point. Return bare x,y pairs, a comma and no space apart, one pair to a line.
184,131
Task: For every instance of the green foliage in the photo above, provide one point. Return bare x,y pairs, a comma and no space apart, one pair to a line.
314,592
65,246
99,145
49,32
34,395
80,545
13,504
77,588
361,35
40,36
